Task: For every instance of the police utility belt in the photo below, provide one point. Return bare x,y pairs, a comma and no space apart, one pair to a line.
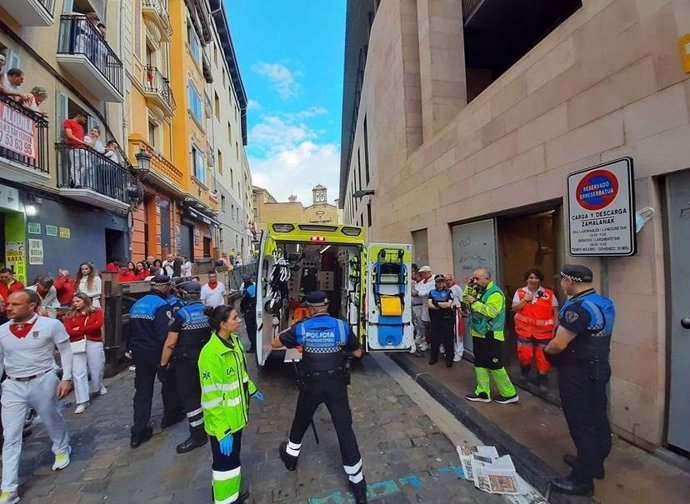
28,378
306,377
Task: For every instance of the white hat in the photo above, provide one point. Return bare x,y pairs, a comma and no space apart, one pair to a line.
425,269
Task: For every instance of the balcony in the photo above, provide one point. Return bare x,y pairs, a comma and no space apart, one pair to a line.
23,143
157,91
161,173
156,19
86,55
30,12
87,176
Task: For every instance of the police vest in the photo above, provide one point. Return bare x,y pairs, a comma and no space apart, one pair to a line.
194,330
481,324
322,338
441,296
535,318
595,342
147,331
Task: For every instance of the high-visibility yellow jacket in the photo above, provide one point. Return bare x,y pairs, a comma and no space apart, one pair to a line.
225,386
488,312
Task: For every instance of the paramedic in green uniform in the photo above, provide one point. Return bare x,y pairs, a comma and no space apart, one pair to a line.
225,392
488,315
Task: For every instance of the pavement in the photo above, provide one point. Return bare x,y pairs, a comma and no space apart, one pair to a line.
535,434
408,456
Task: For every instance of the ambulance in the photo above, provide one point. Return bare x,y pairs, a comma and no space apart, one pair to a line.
368,284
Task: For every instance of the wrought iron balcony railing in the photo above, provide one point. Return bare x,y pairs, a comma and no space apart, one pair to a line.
158,85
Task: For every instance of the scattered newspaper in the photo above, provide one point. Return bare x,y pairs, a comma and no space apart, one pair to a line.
497,475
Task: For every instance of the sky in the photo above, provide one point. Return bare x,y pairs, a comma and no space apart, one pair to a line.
290,54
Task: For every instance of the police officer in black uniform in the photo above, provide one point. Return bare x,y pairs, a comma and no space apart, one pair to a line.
580,350
442,315
187,335
150,319
323,378
248,309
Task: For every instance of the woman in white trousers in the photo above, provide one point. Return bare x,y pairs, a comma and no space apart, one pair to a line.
83,324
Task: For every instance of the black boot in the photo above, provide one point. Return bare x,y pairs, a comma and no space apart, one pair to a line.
140,437
542,383
172,419
359,490
524,374
194,441
290,461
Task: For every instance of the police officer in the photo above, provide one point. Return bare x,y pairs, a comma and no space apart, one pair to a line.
580,349
248,309
187,335
150,319
442,315
323,377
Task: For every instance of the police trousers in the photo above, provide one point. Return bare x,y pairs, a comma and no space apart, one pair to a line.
443,333
250,322
331,391
17,398
583,396
187,373
144,381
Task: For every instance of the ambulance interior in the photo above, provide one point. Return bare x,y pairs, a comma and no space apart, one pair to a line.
295,270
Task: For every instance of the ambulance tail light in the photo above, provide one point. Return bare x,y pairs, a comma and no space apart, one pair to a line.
351,231
317,239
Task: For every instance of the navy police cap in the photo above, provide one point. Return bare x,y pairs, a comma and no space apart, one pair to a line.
160,280
317,298
577,273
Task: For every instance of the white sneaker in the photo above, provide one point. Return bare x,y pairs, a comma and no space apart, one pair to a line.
103,390
81,408
457,358
9,498
61,461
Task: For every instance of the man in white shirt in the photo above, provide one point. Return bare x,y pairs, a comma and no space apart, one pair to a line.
212,293
420,295
456,292
27,342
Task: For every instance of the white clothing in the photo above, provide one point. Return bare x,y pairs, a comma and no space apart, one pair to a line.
92,360
516,297
168,270
97,145
8,86
33,354
50,301
94,293
17,398
423,289
213,297
186,269
456,292
113,156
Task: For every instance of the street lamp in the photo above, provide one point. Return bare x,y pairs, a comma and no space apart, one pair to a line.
143,167
363,192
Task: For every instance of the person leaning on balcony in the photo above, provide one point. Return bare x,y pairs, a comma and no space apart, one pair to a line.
38,96
93,140
111,151
11,84
73,135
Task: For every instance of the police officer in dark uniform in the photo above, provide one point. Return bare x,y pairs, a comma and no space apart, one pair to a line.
323,378
187,335
580,350
248,309
442,317
150,318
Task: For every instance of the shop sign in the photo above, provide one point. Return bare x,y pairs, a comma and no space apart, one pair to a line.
35,252
601,210
14,258
65,233
51,230
33,228
18,132
9,198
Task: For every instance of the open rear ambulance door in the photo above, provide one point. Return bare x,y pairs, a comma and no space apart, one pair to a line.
389,298
264,327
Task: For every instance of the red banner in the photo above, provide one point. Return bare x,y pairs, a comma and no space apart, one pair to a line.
18,132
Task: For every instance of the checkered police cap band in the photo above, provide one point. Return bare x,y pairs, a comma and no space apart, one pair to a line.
571,277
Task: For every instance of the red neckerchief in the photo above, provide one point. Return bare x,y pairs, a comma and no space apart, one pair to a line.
213,285
22,329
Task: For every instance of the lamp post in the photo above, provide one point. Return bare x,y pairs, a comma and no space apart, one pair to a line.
363,192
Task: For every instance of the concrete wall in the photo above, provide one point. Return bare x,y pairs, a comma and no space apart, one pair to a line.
607,83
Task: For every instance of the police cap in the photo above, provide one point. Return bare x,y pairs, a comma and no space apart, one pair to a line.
577,273
439,278
190,287
159,280
317,298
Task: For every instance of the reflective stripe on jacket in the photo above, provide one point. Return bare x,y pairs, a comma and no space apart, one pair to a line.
488,312
225,386
536,318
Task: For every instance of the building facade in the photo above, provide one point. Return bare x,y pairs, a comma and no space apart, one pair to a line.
56,197
268,209
461,123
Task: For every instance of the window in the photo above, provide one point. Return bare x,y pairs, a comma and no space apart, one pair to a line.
232,211
153,134
216,105
199,164
368,215
359,168
193,41
229,134
215,55
223,76
195,105
222,203
232,178
219,162
237,152
256,213
366,150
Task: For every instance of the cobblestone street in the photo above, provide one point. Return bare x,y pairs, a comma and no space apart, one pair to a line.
407,459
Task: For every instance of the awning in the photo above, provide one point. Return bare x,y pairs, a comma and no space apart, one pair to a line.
198,216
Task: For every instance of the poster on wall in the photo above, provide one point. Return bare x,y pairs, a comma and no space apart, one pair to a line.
35,252
51,230
15,259
601,210
65,232
19,132
33,228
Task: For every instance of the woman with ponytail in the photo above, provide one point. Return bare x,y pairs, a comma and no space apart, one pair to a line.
225,392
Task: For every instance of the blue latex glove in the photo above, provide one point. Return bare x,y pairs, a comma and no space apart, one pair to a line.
226,445
258,396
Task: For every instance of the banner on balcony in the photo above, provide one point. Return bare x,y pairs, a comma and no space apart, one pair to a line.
18,132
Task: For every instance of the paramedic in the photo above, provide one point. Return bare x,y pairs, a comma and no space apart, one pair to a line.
323,376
